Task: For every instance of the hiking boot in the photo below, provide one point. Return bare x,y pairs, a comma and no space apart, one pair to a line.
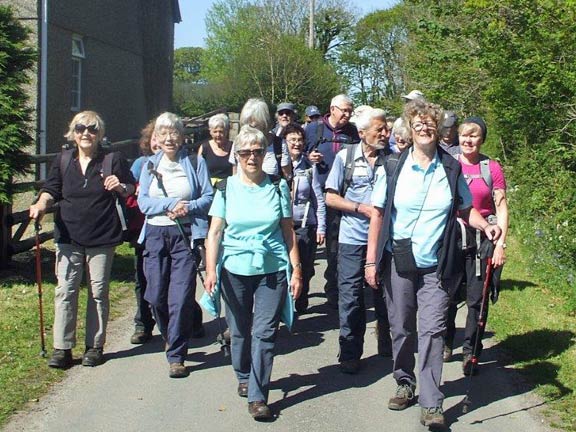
93,357
61,359
178,370
468,367
259,411
433,418
403,398
140,337
243,389
447,354
350,367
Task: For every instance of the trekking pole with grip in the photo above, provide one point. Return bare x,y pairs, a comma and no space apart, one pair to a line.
480,326
37,228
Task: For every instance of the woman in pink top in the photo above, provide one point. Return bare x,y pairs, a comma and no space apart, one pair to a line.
488,188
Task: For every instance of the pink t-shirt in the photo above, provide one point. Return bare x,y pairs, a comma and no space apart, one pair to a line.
481,194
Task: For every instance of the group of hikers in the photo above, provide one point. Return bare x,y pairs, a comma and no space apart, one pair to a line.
408,209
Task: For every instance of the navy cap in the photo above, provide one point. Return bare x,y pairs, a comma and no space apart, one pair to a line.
312,110
286,106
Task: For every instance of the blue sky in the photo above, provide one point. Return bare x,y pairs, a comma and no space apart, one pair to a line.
191,31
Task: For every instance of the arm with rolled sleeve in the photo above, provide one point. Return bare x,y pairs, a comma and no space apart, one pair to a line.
320,203
379,202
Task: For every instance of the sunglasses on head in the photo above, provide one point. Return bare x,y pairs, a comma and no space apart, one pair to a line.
80,128
246,153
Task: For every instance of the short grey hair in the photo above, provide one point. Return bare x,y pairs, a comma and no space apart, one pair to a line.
219,120
169,120
249,136
365,118
255,113
341,99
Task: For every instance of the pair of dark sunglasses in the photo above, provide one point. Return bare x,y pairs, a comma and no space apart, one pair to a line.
246,153
80,128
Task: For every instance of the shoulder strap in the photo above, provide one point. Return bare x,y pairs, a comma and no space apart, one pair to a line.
276,182
485,171
65,160
277,145
221,186
349,167
107,164
319,132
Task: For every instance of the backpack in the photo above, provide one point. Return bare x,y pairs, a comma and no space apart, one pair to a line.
277,146
485,173
351,163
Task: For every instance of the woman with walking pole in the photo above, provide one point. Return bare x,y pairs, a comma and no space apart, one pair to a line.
85,182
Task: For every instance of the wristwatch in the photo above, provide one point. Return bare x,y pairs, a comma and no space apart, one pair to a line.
124,187
501,244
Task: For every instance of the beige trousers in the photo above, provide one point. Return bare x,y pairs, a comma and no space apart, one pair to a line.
70,262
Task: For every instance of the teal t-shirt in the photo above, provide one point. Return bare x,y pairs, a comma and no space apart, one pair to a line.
253,243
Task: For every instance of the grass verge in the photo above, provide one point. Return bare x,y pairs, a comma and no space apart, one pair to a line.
24,374
538,331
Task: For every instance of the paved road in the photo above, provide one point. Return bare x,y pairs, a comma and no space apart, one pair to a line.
132,391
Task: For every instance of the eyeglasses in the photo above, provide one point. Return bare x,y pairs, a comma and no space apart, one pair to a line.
80,128
164,134
419,126
254,152
295,140
344,110
285,112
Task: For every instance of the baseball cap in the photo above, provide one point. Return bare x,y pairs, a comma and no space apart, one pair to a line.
449,119
312,110
286,106
413,95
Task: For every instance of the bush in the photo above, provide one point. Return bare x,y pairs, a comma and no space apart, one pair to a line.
16,58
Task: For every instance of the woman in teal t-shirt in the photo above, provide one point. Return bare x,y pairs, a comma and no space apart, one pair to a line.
252,229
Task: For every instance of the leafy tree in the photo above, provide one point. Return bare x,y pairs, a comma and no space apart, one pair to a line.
16,57
188,64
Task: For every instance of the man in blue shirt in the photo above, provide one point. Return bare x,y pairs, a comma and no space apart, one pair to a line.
348,190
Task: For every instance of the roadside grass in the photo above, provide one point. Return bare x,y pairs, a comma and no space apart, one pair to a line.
24,374
539,334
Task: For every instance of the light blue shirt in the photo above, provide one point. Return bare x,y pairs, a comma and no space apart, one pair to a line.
354,226
422,204
253,242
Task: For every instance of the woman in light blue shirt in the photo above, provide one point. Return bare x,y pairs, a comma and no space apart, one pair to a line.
250,250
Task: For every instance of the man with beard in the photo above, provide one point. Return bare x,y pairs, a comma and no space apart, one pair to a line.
349,188
324,139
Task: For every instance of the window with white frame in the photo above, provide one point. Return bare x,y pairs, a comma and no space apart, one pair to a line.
78,55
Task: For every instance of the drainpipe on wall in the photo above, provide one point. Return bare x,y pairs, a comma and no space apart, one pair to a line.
43,83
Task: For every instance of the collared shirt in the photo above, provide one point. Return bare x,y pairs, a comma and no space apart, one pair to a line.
354,226
422,204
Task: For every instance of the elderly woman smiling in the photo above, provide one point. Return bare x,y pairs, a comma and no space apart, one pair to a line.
175,197
252,227
88,228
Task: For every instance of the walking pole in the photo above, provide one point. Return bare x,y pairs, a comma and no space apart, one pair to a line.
37,228
220,338
480,326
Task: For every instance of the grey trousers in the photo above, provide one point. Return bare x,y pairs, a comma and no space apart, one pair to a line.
422,295
70,262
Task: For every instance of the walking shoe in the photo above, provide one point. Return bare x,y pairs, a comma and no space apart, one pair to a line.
403,398
61,359
433,418
447,354
93,357
350,366
140,337
259,411
243,389
178,370
468,368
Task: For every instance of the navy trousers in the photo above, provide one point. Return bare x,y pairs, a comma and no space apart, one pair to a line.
331,272
306,239
253,308
143,320
351,304
170,270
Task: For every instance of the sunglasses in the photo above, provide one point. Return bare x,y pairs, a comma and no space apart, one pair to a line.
285,112
80,128
254,152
